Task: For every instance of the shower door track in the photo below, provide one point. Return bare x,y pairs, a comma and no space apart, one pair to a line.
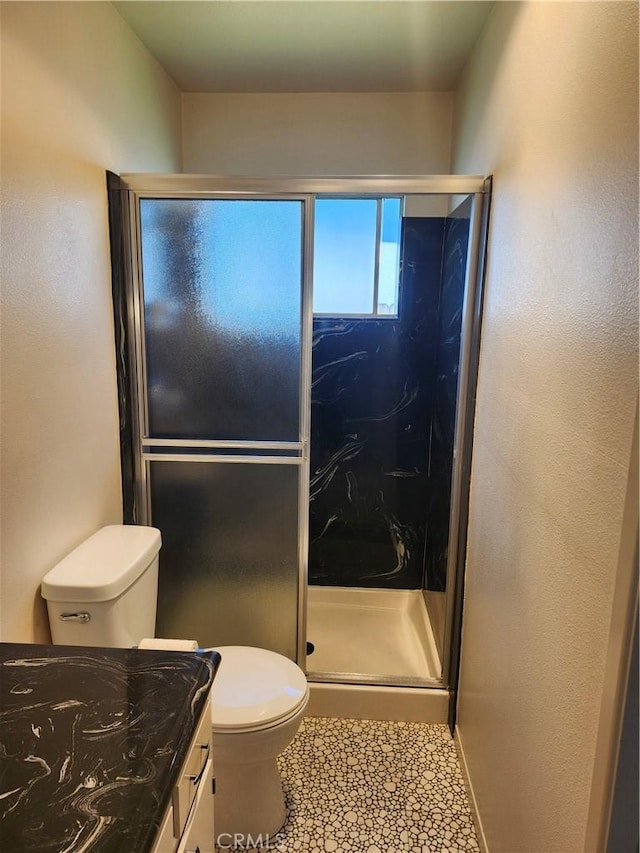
357,678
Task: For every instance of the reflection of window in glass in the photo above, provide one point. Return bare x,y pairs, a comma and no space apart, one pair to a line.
356,257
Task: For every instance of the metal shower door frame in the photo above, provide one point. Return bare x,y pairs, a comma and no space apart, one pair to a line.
305,189
145,447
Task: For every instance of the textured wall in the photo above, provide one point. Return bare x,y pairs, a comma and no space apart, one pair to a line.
80,94
318,134
549,105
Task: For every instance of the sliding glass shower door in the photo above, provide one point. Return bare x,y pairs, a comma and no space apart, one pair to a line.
213,334
220,309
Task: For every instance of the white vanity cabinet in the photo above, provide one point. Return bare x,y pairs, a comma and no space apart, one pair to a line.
188,824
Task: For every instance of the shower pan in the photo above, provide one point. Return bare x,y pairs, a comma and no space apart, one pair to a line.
307,464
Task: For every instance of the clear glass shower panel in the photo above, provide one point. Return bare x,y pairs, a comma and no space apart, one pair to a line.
229,558
222,284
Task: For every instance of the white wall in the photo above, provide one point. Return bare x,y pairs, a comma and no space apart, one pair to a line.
80,94
317,134
549,105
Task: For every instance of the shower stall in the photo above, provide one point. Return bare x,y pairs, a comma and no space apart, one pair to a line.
296,372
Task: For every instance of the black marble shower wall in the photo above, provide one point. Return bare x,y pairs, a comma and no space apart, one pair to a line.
383,406
454,264
372,405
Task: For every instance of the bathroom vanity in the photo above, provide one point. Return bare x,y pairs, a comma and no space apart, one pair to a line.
105,749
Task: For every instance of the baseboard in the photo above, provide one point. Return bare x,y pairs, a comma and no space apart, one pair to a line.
477,822
366,702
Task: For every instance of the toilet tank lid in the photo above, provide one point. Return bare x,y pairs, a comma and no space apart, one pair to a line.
103,566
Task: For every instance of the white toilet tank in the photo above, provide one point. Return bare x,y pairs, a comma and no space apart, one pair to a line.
104,593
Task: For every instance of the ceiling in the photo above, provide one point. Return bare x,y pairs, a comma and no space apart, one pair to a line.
309,45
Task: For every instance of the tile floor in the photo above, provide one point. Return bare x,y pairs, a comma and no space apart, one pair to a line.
361,786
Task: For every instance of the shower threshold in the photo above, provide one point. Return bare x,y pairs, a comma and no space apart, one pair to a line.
371,636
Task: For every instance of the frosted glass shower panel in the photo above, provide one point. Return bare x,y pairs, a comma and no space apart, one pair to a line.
229,558
222,284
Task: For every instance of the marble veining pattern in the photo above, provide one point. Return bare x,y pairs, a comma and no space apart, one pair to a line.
372,404
383,419
361,786
454,263
91,743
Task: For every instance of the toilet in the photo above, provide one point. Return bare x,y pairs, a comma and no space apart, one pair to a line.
104,594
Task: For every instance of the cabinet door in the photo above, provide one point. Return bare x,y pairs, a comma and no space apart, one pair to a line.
192,773
166,842
198,835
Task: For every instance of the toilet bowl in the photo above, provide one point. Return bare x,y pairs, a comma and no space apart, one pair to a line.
258,701
104,594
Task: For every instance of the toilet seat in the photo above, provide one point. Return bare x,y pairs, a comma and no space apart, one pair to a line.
255,689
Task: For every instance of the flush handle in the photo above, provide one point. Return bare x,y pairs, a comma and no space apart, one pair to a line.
83,617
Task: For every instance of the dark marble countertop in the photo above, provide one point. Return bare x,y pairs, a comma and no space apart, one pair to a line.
91,743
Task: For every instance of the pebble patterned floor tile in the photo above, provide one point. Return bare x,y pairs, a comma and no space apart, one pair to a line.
362,786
